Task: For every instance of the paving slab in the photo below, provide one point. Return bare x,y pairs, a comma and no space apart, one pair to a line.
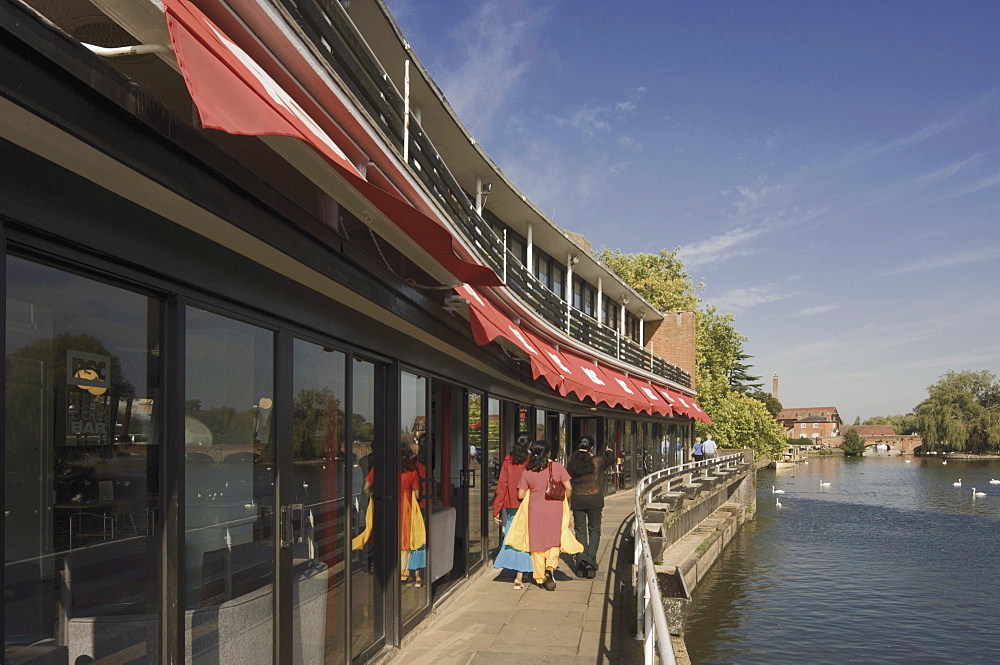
487,622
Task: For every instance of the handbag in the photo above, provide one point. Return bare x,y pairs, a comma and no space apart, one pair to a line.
554,491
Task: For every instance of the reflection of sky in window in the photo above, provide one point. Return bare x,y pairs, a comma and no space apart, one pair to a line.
229,363
364,390
44,302
412,402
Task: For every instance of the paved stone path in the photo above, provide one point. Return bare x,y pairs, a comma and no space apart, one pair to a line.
582,622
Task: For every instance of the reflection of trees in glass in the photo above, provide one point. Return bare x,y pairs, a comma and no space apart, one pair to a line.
363,430
316,424
50,353
227,425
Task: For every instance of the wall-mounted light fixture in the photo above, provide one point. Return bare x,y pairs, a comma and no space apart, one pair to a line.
624,300
455,303
574,259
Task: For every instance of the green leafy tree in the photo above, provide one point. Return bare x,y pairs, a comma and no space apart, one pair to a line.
854,443
740,378
769,401
659,278
961,413
739,421
908,424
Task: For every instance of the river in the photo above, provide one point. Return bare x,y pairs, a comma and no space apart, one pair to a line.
890,563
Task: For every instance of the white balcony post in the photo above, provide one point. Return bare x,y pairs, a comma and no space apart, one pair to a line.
569,288
600,301
406,112
505,252
529,264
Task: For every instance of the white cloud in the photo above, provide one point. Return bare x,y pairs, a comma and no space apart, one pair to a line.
949,261
496,45
738,300
818,309
590,120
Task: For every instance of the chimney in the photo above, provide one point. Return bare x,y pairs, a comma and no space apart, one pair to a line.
774,386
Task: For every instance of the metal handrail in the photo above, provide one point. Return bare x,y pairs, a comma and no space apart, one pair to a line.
651,619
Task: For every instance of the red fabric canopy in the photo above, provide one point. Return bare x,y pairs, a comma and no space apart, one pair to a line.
488,323
234,94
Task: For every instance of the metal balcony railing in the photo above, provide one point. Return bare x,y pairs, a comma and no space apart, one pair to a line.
333,34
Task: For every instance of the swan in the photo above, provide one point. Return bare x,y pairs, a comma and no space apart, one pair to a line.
975,493
777,502
994,481
774,491
957,483
909,462
945,462
822,484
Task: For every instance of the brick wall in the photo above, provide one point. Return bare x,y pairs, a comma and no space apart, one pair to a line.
673,339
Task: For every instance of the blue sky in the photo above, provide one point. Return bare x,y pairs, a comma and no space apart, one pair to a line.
830,171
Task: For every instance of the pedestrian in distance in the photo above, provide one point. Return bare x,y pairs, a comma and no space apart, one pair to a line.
709,448
548,520
505,505
698,452
587,500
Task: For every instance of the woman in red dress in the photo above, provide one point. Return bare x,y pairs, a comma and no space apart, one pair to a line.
545,516
506,503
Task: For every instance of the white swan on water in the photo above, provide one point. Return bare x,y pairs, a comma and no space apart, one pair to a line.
777,502
822,484
975,493
994,481
774,491
957,483
909,461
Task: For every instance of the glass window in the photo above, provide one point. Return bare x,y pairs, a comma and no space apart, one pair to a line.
543,271
321,460
81,462
517,248
475,475
229,487
558,279
493,438
413,494
367,585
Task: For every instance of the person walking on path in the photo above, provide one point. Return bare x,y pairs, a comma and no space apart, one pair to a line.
698,452
546,521
587,501
710,448
506,503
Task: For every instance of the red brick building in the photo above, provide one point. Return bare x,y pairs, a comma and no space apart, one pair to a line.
810,422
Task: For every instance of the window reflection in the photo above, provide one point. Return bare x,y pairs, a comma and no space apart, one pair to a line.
413,493
367,584
321,460
229,488
80,467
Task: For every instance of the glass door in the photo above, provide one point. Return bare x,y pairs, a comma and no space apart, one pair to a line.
230,515
321,504
81,468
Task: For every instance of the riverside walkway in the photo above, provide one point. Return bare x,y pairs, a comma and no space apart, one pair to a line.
584,621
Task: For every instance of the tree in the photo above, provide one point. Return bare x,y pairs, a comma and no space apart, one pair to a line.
740,378
908,424
854,443
769,401
739,421
659,278
961,413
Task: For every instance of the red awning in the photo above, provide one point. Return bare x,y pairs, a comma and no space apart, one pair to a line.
488,323
587,379
568,372
653,397
235,95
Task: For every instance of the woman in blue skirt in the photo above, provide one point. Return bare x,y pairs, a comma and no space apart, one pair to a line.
505,504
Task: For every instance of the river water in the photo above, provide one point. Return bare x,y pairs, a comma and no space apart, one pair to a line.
888,564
